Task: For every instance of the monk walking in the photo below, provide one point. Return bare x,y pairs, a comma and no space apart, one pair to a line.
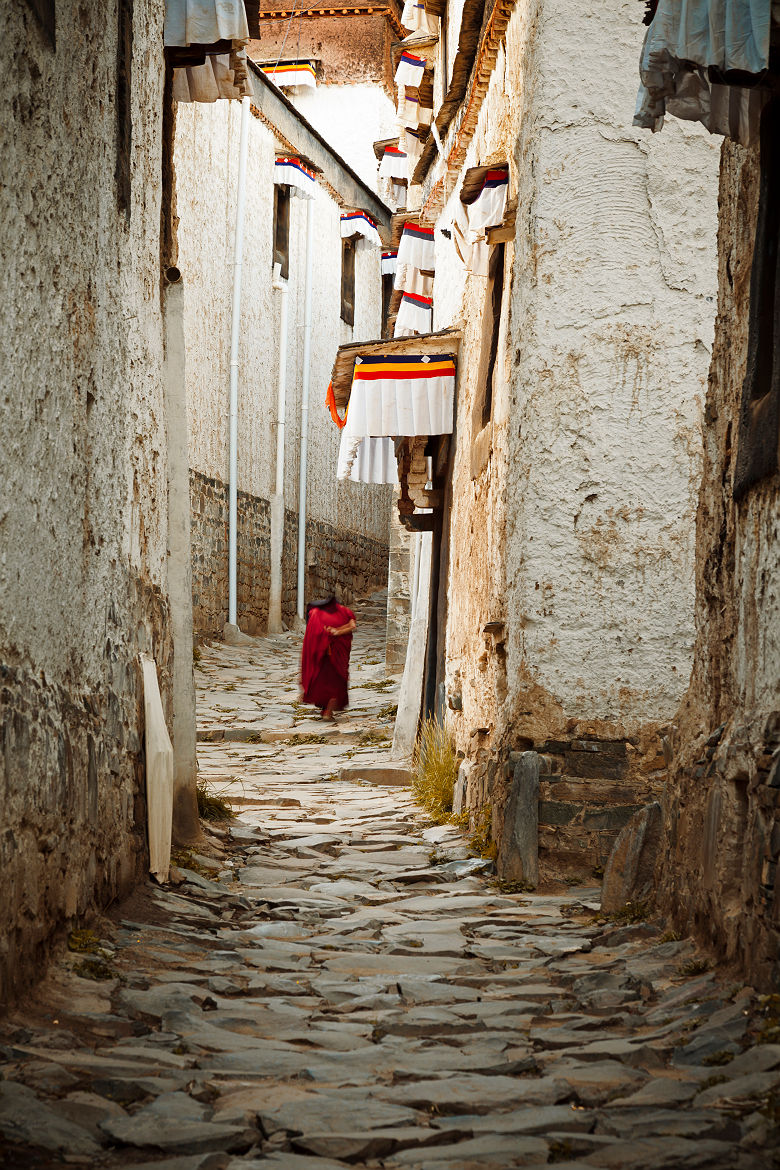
325,657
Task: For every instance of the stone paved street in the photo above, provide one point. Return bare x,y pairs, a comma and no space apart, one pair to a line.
334,982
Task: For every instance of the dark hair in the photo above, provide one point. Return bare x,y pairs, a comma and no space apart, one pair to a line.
325,603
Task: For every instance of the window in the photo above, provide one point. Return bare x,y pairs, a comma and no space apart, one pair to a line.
282,228
387,296
491,323
348,281
759,418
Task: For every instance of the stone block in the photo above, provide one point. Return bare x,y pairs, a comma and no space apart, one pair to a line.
518,855
629,872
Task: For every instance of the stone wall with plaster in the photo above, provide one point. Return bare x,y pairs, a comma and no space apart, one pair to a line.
719,870
206,159
573,511
83,520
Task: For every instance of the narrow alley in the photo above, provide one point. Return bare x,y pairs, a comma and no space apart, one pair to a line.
333,982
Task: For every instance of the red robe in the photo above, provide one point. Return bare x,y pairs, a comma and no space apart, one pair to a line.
325,658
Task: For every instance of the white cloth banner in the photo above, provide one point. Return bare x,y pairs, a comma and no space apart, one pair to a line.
410,70
410,113
417,247
402,403
415,315
367,460
211,81
389,263
416,19
292,173
357,223
409,279
204,22
489,207
296,73
394,164
413,147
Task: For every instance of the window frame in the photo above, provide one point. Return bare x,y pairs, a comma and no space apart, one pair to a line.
281,236
491,329
348,250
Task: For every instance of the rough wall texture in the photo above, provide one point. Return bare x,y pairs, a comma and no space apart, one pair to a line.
82,444
206,159
348,564
719,868
572,517
399,592
348,48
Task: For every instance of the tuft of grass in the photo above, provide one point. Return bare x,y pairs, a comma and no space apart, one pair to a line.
312,737
723,1056
371,736
434,769
185,860
94,968
388,712
461,820
693,967
212,807
85,942
630,914
383,685
481,840
196,655
670,936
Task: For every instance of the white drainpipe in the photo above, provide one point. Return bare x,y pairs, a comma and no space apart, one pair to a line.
305,405
238,259
277,499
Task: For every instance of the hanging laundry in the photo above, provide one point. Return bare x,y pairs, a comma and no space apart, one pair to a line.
393,164
410,70
409,279
357,223
410,112
389,260
415,18
292,173
401,394
292,73
417,247
367,459
487,207
415,315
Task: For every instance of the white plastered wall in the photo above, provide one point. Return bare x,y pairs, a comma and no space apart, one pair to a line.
207,140
351,118
580,527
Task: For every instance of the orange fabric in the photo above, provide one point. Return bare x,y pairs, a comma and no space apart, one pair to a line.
330,400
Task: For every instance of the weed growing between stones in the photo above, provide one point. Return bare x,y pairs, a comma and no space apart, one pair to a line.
693,967
372,737
211,806
296,740
670,936
184,859
629,915
388,712
383,685
434,768
481,839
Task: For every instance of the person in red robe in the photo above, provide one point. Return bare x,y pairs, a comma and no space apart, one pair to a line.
325,656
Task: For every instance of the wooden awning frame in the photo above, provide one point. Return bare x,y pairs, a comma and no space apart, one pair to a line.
446,342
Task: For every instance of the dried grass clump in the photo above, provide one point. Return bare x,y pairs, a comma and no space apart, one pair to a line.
212,806
434,769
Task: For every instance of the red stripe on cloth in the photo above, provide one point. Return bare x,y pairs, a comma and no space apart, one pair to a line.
402,375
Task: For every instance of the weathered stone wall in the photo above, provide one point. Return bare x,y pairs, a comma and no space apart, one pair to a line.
206,154
83,518
348,564
399,592
719,867
573,509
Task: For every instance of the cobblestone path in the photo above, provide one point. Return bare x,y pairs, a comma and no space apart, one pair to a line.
334,984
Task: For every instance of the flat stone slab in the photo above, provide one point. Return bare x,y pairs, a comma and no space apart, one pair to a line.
381,774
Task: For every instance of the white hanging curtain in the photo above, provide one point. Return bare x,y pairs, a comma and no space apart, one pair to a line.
223,76
394,164
415,18
417,247
367,460
292,173
410,70
487,207
409,279
389,261
415,315
401,394
357,223
204,22
292,73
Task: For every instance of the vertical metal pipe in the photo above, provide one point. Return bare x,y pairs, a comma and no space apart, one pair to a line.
238,260
277,500
305,405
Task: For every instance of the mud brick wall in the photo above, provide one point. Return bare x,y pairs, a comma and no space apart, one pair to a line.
339,561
